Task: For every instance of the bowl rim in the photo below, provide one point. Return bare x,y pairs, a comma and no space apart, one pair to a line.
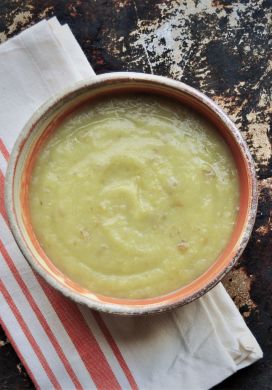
116,78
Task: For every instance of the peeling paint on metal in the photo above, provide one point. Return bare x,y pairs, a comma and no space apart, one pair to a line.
3,343
46,12
238,284
261,144
20,19
170,37
3,37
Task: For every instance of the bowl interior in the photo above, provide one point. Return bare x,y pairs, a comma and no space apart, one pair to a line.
44,122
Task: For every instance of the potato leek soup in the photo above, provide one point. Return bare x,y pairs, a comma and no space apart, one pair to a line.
134,196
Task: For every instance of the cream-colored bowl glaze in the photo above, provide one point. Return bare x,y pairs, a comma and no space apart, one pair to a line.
47,118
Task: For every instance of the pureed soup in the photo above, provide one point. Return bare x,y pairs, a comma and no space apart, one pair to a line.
134,196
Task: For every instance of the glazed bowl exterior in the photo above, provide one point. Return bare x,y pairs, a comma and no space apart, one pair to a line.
47,118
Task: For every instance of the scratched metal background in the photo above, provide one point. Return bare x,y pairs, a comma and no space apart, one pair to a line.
221,47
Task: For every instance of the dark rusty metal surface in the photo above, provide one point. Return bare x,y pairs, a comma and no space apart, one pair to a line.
218,46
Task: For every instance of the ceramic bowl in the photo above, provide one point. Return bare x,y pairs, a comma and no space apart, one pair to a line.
47,118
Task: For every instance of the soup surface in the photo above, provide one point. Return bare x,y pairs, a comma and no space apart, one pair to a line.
134,196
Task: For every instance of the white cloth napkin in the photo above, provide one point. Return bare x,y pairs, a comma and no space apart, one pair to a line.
66,345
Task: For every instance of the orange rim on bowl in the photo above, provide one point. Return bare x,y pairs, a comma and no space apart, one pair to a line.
47,118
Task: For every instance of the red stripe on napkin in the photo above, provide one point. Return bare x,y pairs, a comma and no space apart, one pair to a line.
20,355
115,350
39,315
29,336
4,150
83,339
2,197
